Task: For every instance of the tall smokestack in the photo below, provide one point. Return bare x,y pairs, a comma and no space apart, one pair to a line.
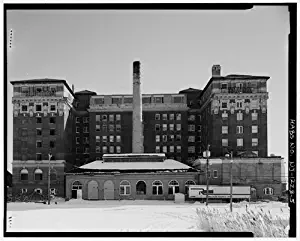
137,127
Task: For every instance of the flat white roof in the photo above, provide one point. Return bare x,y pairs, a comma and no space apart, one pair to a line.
135,155
168,164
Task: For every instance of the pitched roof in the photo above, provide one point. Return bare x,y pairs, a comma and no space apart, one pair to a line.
167,164
189,90
85,92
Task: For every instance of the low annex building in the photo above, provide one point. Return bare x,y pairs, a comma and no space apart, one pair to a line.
130,176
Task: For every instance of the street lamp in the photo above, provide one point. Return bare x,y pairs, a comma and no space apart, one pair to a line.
207,155
50,155
231,162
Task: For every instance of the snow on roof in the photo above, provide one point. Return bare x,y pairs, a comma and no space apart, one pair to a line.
135,155
168,164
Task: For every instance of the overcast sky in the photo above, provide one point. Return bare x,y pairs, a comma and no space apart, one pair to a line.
94,50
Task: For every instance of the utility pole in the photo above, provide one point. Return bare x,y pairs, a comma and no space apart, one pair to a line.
50,155
231,162
207,170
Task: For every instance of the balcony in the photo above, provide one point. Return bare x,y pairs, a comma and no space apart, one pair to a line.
238,90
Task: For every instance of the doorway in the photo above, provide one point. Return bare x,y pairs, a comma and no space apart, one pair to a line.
109,190
93,190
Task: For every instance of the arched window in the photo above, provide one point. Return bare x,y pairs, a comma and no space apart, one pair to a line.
24,174
76,185
187,184
125,188
141,188
268,191
173,187
38,175
38,190
157,188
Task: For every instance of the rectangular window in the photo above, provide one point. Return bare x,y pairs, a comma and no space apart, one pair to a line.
97,127
111,128
254,116
98,139
111,118
158,100
157,127
52,120
254,142
104,128
118,117
85,140
178,116
171,148
215,175
157,138
178,99
224,115
239,116
77,140
38,144
239,142
52,144
52,107
98,149
171,127
191,149
171,137
77,150
118,149
116,100
77,129
38,131
104,149
146,100
104,138
199,128
198,138
38,108
157,116
224,129
224,142
165,149
165,127
157,149
178,149
111,138
86,150
24,108
111,149
86,119
165,138
171,117
52,132
191,118
97,118
239,130
224,105
38,156
254,129
239,104
191,139
104,118
118,138
118,128
165,117
178,127
39,120
128,100
86,129
191,127
77,120
178,137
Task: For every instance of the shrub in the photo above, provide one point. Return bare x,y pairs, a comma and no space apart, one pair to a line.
260,223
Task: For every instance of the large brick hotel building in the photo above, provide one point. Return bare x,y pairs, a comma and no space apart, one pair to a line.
229,114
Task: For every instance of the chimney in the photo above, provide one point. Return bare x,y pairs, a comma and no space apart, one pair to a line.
137,126
73,88
216,70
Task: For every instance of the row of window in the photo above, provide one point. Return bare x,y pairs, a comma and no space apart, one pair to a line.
240,142
53,191
141,187
105,149
111,128
38,175
167,149
105,118
38,107
239,116
240,129
39,143
145,100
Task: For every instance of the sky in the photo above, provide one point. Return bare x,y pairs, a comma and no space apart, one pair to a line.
94,50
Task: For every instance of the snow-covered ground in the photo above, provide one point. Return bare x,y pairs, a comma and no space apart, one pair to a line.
97,216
